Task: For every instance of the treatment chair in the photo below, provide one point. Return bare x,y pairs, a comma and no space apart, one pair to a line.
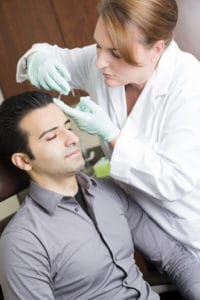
12,181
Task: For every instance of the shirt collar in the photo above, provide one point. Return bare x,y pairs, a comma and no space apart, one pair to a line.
49,200
87,183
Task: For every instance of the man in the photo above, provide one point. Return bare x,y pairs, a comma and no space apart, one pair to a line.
74,236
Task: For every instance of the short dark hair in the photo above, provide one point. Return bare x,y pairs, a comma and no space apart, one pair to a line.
12,111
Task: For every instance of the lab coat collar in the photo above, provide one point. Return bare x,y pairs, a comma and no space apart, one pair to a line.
161,78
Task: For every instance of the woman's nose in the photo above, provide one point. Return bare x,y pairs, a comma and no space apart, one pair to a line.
102,59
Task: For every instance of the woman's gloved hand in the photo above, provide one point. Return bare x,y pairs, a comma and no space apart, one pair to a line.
45,72
91,118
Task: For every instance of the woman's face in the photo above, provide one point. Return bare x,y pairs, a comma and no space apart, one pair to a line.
115,70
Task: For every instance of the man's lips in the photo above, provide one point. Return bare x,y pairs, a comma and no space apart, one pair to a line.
72,153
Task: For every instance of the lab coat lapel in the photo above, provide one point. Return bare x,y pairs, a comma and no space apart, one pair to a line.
117,105
141,117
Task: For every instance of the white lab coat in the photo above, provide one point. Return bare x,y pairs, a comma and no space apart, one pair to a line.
157,155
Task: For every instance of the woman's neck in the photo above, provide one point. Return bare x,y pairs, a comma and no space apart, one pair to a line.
133,92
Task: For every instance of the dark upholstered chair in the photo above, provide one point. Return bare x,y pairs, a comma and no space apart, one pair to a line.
12,182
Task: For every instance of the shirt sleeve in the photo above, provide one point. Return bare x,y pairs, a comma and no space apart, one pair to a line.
166,168
24,268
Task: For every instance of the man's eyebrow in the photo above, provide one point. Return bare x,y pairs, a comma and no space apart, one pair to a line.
51,129
67,121
47,131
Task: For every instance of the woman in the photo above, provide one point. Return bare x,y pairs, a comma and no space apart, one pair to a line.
149,98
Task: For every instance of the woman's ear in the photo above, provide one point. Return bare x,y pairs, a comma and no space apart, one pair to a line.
21,161
159,47
157,50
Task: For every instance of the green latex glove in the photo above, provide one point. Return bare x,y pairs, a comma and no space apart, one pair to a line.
46,72
91,118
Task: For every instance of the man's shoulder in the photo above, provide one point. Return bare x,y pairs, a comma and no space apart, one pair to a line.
23,220
107,182
111,192
16,222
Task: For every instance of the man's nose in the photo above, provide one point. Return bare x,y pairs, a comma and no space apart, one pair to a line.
70,138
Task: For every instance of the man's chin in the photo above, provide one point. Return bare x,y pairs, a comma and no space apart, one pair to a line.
81,166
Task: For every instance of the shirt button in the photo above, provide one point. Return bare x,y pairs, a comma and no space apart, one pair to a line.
76,209
116,257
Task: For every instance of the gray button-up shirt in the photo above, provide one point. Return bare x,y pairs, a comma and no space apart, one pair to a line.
52,249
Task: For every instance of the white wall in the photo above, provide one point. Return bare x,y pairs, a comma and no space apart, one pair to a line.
188,26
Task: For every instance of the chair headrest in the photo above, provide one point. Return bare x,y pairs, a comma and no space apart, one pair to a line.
12,181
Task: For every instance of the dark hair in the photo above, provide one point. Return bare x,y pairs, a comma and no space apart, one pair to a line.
12,111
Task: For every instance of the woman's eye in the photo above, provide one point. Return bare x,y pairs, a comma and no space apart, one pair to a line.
116,54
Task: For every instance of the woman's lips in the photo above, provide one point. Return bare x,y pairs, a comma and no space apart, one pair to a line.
106,75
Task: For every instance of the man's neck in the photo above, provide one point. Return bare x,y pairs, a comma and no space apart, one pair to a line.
67,186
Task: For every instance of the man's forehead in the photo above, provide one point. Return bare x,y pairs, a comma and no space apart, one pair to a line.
43,117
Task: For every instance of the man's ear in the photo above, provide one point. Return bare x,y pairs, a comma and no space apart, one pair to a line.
21,161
